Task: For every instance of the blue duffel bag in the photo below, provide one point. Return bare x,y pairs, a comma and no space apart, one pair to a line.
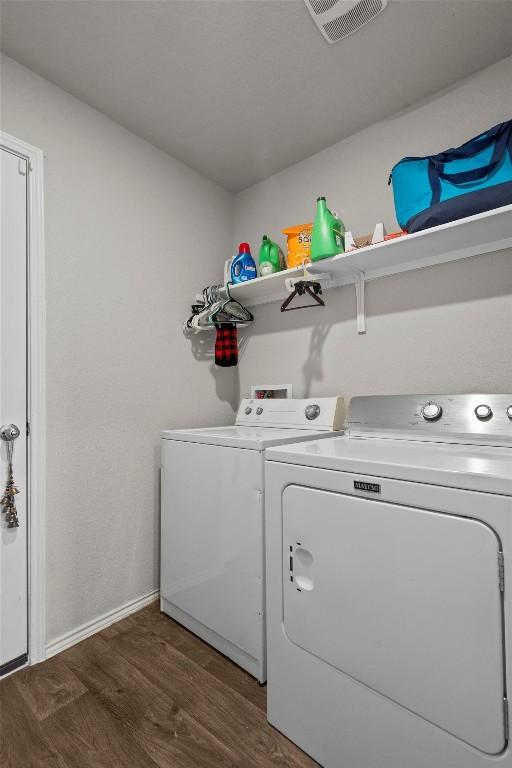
460,182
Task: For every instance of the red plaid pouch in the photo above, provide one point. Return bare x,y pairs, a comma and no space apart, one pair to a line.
226,345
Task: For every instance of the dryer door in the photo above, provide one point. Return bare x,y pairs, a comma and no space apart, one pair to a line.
406,601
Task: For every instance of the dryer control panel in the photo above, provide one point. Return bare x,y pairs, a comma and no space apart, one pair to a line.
484,419
318,414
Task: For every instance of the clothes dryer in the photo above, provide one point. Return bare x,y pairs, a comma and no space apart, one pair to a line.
389,584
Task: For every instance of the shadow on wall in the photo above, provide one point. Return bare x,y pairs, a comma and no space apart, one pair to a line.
315,322
473,279
227,380
312,369
306,331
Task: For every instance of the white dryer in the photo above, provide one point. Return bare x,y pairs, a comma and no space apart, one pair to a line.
212,520
389,584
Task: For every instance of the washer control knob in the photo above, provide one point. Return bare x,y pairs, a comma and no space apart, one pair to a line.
312,412
483,412
259,410
248,411
431,411
509,412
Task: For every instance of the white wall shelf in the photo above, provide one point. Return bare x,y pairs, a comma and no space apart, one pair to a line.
264,289
483,233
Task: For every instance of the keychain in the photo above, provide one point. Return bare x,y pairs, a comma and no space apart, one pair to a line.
8,500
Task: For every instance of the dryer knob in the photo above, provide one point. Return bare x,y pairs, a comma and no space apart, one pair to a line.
248,411
312,412
431,411
509,412
259,411
483,412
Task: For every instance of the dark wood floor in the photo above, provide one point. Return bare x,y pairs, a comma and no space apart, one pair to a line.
141,693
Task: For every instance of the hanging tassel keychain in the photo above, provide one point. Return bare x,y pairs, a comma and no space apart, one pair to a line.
8,500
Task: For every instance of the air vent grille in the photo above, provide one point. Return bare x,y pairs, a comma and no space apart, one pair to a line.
360,14
322,6
336,19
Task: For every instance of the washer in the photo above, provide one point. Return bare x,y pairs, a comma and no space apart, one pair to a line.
212,537
389,584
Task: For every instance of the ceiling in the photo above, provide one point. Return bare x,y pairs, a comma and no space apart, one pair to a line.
240,89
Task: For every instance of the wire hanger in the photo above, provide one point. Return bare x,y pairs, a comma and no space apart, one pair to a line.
217,306
302,285
311,287
230,310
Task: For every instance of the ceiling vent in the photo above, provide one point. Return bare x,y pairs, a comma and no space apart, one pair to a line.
337,19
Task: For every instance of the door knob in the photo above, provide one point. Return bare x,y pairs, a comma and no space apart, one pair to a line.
9,432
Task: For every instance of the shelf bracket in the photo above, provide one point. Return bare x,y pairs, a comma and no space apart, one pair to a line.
357,277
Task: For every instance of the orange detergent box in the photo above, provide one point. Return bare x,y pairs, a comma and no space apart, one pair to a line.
298,245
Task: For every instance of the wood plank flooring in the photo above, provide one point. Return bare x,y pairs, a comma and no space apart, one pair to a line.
143,693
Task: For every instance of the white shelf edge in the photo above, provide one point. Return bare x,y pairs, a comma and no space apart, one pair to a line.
263,290
475,235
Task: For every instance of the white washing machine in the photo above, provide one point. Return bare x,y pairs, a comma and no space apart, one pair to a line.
212,521
389,585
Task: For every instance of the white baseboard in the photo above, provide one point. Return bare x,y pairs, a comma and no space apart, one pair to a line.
91,627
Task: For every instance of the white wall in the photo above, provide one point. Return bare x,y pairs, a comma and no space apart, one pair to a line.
131,236
447,328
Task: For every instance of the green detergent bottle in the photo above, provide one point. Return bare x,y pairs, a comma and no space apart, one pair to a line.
271,257
327,238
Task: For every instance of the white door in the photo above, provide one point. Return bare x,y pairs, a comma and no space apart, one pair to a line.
13,406
405,601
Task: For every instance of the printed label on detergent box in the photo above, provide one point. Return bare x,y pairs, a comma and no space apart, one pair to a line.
305,236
